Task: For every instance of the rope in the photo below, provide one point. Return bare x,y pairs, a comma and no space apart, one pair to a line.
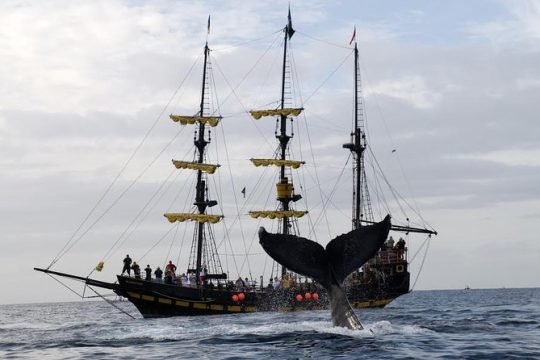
422,263
64,285
324,41
65,248
111,303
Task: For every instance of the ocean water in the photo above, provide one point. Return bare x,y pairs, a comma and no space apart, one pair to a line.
454,324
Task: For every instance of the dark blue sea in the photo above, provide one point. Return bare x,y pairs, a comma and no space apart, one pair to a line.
454,324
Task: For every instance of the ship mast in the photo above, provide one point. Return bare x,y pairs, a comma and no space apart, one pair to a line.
203,252
200,144
283,137
285,188
362,212
357,146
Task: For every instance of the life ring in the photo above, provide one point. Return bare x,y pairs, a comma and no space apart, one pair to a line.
399,268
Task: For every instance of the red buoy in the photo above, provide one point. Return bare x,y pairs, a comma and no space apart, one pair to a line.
241,296
299,297
315,296
235,298
307,296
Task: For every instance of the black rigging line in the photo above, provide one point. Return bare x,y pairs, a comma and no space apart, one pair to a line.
111,303
120,196
324,41
61,253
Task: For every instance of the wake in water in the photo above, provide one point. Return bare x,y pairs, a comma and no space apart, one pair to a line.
419,325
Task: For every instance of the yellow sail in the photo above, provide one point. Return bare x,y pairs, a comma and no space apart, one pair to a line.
257,114
207,168
100,265
295,164
202,218
185,120
277,214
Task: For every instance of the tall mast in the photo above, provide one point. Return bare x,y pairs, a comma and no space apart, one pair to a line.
285,188
357,147
362,211
283,137
203,249
200,143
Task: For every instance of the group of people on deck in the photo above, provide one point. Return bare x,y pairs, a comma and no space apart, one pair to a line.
399,247
168,277
129,265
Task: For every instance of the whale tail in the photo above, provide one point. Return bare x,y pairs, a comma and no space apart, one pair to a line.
329,266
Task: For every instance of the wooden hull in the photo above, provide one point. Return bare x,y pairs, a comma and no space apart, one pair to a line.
156,299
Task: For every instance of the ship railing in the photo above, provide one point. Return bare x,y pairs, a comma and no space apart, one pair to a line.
389,256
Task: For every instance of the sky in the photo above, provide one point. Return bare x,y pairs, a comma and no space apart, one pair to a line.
86,88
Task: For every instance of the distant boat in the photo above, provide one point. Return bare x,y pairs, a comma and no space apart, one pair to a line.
209,289
467,288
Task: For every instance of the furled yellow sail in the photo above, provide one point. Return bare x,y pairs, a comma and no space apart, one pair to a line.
295,164
257,114
184,120
207,168
277,214
202,218
100,265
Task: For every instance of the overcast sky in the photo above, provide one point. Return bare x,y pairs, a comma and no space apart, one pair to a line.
453,87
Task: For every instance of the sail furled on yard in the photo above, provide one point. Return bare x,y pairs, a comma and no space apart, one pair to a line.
257,114
213,121
295,164
201,218
207,168
280,214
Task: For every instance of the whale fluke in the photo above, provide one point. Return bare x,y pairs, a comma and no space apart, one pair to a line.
330,266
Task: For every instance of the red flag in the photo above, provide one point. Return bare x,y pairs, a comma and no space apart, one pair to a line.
353,38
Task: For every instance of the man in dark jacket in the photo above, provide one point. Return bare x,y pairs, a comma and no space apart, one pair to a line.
159,274
127,265
148,271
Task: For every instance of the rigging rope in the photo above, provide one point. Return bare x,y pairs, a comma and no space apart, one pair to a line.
61,253
111,303
323,41
120,196
423,260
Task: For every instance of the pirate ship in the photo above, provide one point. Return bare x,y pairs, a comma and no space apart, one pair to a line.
205,288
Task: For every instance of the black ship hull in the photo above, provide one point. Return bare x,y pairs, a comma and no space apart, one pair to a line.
156,299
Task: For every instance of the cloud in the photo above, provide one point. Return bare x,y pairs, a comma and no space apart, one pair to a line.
412,90
82,83
521,27
517,157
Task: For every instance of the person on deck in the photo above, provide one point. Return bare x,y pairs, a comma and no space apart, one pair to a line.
168,277
400,246
184,280
158,274
127,265
202,276
240,284
390,243
148,271
136,270
171,267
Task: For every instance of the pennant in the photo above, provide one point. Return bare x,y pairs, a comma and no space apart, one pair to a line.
290,31
244,192
353,38
208,27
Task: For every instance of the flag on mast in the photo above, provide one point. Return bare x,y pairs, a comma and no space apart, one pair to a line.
353,38
208,28
290,31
